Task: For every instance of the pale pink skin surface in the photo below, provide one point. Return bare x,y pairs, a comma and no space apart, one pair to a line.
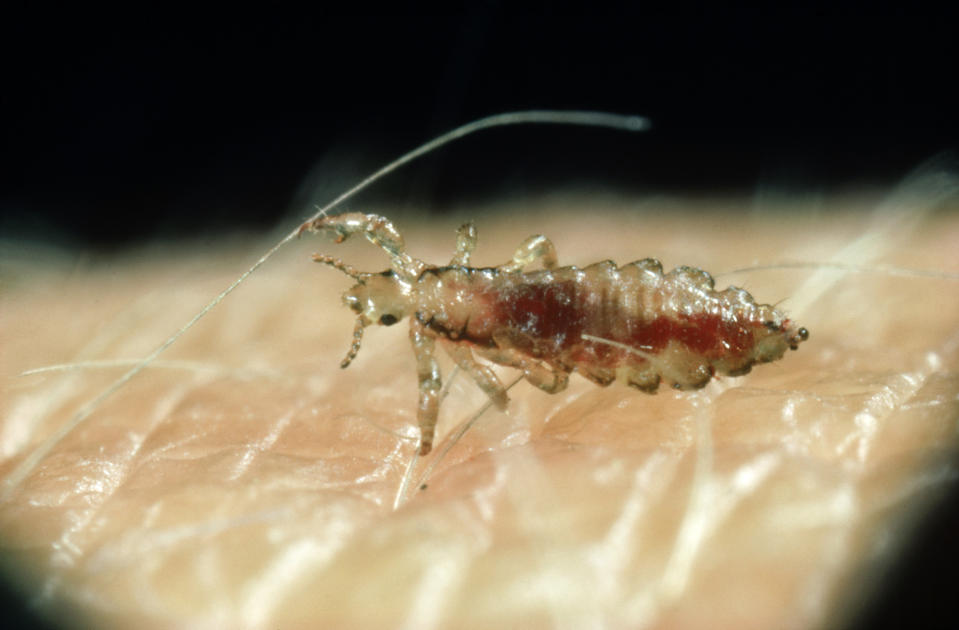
254,486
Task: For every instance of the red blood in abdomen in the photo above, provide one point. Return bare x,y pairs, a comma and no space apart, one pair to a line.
554,316
704,333
544,312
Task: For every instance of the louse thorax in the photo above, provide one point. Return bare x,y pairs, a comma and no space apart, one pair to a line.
379,298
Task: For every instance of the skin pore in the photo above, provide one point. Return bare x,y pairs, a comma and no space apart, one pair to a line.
245,480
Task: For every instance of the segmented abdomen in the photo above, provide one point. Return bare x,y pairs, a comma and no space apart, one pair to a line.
675,325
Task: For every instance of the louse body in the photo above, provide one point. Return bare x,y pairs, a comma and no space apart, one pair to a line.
633,324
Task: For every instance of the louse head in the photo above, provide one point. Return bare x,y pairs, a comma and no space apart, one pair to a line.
378,298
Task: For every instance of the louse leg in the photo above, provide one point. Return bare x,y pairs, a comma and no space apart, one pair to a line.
645,380
550,380
465,244
377,230
428,373
601,376
536,247
482,374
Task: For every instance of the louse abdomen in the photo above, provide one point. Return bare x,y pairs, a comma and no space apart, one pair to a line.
554,317
673,326
676,316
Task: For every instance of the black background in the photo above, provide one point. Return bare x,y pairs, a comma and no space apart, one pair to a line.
120,127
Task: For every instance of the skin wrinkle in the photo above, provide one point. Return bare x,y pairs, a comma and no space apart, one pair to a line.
539,523
109,483
262,445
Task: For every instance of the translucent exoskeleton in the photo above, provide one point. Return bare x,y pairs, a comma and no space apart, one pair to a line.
634,324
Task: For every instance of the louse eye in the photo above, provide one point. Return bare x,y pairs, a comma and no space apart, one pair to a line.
388,320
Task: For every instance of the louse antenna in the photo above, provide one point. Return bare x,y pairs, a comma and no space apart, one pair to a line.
339,265
355,346
575,118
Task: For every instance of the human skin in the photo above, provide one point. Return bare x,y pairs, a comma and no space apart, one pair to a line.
244,480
